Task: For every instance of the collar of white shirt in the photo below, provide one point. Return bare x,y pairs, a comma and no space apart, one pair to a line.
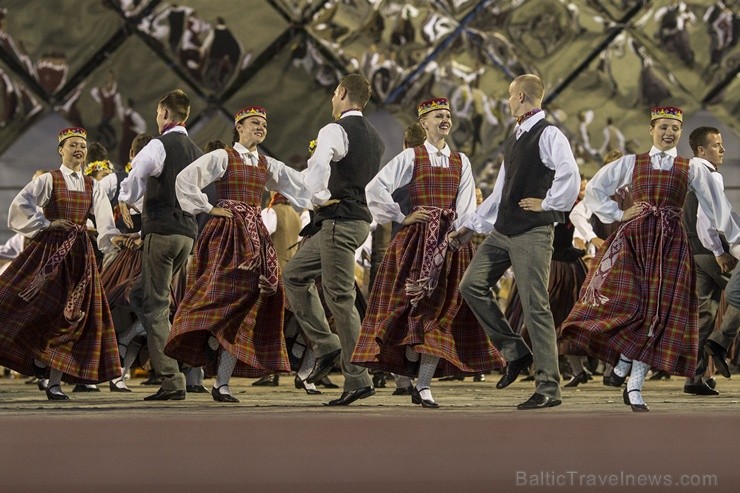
701,160
351,113
70,172
671,152
178,128
445,151
253,157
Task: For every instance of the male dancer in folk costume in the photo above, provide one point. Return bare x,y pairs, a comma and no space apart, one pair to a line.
56,319
416,316
347,157
536,187
638,307
711,252
232,312
167,230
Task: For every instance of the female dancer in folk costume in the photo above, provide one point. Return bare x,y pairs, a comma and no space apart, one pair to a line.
416,315
120,274
638,307
55,316
234,299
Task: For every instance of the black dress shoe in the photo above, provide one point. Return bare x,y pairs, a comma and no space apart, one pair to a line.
479,377
699,389
452,378
513,368
350,396
636,408
379,380
153,380
271,380
52,396
115,388
327,384
416,399
660,375
300,385
614,380
712,382
80,387
539,401
403,390
196,389
166,395
323,365
219,397
718,354
42,383
577,380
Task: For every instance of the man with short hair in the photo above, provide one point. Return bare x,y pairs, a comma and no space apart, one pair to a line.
347,156
536,187
167,230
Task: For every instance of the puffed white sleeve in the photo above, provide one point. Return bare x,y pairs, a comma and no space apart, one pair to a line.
395,174
25,215
196,176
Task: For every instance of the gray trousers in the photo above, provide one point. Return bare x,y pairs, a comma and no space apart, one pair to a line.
529,256
709,285
162,256
727,331
331,254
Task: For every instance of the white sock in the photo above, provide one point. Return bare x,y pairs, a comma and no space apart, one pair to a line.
132,351
576,364
213,343
309,386
622,368
426,394
119,382
194,376
427,367
226,365
637,378
411,355
306,368
55,381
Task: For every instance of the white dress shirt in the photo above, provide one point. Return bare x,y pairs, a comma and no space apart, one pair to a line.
557,155
109,184
399,172
708,235
148,162
212,167
580,216
332,144
618,174
26,215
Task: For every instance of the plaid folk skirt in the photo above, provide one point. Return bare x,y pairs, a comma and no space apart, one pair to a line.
224,300
646,306
439,325
80,343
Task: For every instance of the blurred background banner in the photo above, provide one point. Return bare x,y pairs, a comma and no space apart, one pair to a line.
104,64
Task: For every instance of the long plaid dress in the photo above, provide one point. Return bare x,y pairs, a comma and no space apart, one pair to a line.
640,299
223,297
433,317
52,304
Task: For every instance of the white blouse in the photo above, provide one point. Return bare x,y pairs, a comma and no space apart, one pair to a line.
26,215
212,167
400,170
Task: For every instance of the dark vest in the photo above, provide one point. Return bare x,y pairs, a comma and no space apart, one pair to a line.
350,175
525,176
162,213
690,209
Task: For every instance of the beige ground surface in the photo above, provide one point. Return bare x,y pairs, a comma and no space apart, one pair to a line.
280,439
